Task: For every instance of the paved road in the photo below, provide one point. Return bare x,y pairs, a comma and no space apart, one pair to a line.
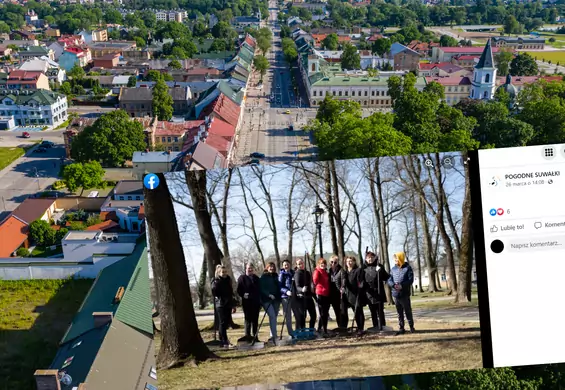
27,176
266,121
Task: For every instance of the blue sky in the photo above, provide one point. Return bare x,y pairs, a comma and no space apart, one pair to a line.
278,179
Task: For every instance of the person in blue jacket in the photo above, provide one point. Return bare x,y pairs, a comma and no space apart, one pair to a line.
285,281
401,280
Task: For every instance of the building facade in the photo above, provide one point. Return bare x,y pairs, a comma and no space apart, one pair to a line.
41,107
518,43
484,75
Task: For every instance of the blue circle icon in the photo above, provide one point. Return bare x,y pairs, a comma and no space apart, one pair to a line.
151,181
492,211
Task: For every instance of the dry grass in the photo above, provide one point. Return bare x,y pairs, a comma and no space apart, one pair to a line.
435,347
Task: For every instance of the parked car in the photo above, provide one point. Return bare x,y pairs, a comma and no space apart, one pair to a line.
25,134
291,128
47,144
41,149
257,155
254,161
287,112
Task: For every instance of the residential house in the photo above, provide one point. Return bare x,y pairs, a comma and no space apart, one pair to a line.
465,61
31,52
240,23
456,88
94,36
110,339
19,42
58,49
137,55
519,43
31,17
80,246
52,33
75,55
138,102
424,49
442,69
41,107
154,162
126,201
18,80
404,58
107,61
374,61
5,51
203,156
100,49
171,16
15,228
23,35
171,136
48,67
445,54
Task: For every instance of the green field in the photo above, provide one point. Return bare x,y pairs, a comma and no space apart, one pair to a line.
34,315
7,155
553,56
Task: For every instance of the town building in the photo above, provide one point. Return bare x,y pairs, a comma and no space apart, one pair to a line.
110,339
23,80
171,16
31,52
445,54
75,55
442,69
404,58
49,68
99,49
107,61
519,43
484,75
41,107
154,162
79,246
138,102
94,36
240,23
171,136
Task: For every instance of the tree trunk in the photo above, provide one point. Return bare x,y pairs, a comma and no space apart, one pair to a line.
270,214
196,182
181,341
415,222
254,237
337,213
313,248
202,298
331,219
466,253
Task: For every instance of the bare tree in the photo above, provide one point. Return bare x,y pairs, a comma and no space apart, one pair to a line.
466,249
292,216
245,223
181,342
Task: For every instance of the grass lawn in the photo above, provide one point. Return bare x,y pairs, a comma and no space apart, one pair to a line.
8,155
435,347
34,316
553,56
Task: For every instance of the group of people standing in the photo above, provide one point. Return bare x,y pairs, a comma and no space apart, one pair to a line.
299,291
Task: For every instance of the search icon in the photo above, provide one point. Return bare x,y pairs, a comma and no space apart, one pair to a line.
448,162
429,163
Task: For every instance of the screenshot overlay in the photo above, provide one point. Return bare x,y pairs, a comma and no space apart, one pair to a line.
524,219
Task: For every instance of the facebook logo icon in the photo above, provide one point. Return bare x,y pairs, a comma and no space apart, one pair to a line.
151,181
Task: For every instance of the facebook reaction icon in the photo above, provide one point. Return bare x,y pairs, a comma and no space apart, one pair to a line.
151,181
492,211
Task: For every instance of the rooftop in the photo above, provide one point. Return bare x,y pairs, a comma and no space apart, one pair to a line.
153,157
32,208
13,233
129,187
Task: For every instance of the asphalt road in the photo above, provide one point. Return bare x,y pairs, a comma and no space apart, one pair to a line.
271,109
29,175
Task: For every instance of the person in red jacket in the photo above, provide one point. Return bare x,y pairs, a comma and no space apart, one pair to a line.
321,279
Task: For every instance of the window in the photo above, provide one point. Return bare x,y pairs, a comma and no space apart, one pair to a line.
346,93
334,93
163,139
485,94
339,93
366,93
472,93
138,197
134,226
176,139
314,93
130,197
487,78
372,102
352,93
372,93
168,139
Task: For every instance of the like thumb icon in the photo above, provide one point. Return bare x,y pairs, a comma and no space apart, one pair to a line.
493,229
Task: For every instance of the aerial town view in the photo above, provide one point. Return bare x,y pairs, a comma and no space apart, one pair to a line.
94,94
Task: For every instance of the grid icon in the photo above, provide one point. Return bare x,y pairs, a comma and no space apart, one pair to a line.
548,152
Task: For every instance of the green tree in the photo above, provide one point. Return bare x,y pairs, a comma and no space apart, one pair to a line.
498,378
331,109
381,46
330,42
350,58
447,41
264,44
511,25
261,64
139,42
435,88
174,64
22,252
218,45
162,101
60,234
199,29
76,72
113,16
502,59
42,233
86,176
4,28
523,65
132,81
222,30
111,140
153,75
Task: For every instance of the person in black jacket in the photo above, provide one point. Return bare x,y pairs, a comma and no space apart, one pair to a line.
375,277
224,301
353,288
248,290
302,296
335,294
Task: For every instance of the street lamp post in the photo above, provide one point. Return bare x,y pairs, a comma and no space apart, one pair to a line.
319,216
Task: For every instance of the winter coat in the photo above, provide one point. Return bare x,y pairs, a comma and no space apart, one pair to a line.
354,286
302,278
403,276
374,283
250,285
321,279
335,284
269,284
223,292
285,281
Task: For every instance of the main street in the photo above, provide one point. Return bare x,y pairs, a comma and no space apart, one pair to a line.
272,108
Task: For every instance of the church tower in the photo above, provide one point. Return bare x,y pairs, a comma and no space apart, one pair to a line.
484,75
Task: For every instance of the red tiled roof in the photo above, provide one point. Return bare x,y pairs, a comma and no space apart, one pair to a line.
109,215
225,108
221,128
467,57
202,71
23,77
374,37
13,233
466,49
77,50
343,38
219,143
522,80
450,80
250,40
103,226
